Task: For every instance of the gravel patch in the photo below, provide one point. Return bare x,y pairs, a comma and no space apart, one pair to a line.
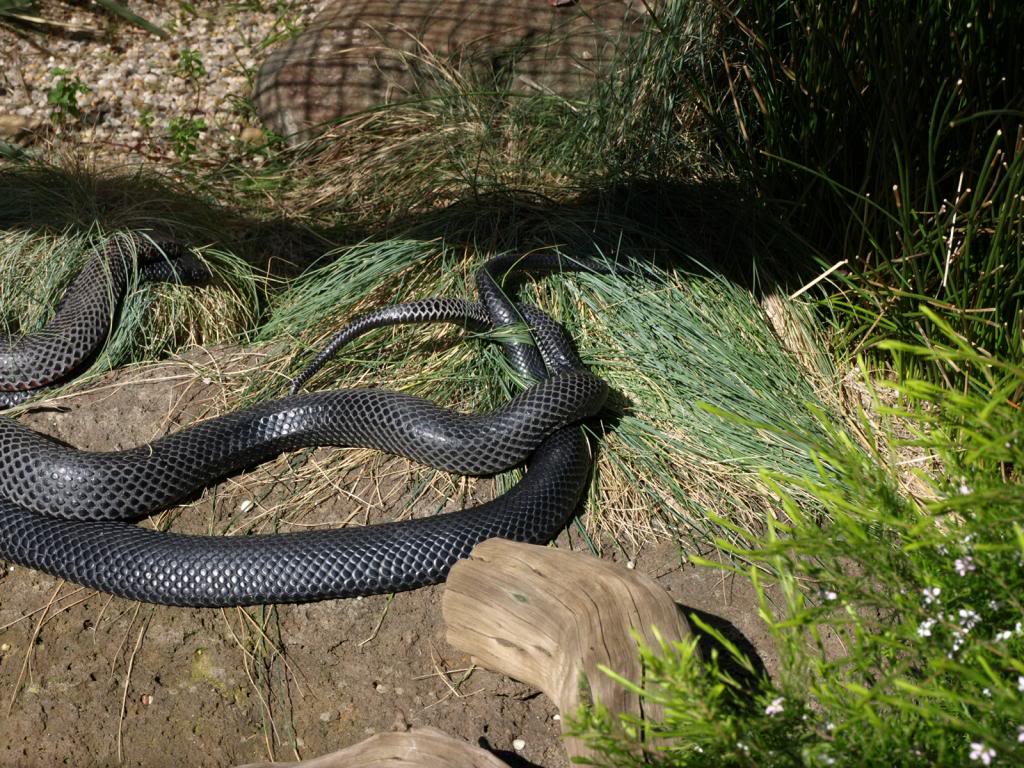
142,97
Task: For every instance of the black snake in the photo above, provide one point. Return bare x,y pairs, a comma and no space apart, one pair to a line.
77,330
64,511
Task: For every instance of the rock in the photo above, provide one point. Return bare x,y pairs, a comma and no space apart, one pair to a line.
13,125
251,135
18,128
355,56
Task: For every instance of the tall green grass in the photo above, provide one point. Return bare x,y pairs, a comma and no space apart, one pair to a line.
882,139
889,136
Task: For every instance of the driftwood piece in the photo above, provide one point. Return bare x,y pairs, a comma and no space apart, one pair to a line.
549,618
418,748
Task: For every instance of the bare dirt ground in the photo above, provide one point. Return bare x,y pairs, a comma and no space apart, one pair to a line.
90,680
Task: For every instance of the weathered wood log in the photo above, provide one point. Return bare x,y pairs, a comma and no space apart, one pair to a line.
549,618
418,748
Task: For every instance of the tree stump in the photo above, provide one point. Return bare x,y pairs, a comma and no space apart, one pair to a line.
418,748
549,618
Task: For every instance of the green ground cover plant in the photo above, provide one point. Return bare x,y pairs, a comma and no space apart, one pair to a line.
63,96
918,569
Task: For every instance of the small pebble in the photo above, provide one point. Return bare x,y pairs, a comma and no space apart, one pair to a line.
251,135
518,745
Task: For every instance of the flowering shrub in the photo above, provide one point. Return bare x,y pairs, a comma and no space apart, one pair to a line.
911,548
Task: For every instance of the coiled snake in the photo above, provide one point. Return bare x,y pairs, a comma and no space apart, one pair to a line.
65,511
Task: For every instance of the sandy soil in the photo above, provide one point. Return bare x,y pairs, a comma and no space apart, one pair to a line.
89,680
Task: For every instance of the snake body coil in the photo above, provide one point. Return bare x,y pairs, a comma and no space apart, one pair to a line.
83,319
42,482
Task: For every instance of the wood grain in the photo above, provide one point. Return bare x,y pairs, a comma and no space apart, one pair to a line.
550,618
417,748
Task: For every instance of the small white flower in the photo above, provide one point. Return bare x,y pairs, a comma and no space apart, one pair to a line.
931,594
1020,683
924,629
993,605
1020,734
964,489
986,693
775,707
830,595
968,619
964,565
1004,635
980,752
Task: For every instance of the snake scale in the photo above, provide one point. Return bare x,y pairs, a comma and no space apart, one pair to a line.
69,512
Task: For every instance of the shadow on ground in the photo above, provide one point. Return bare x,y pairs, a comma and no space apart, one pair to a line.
697,226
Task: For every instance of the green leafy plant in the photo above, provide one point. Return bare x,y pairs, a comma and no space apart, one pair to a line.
146,118
190,65
184,133
63,96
